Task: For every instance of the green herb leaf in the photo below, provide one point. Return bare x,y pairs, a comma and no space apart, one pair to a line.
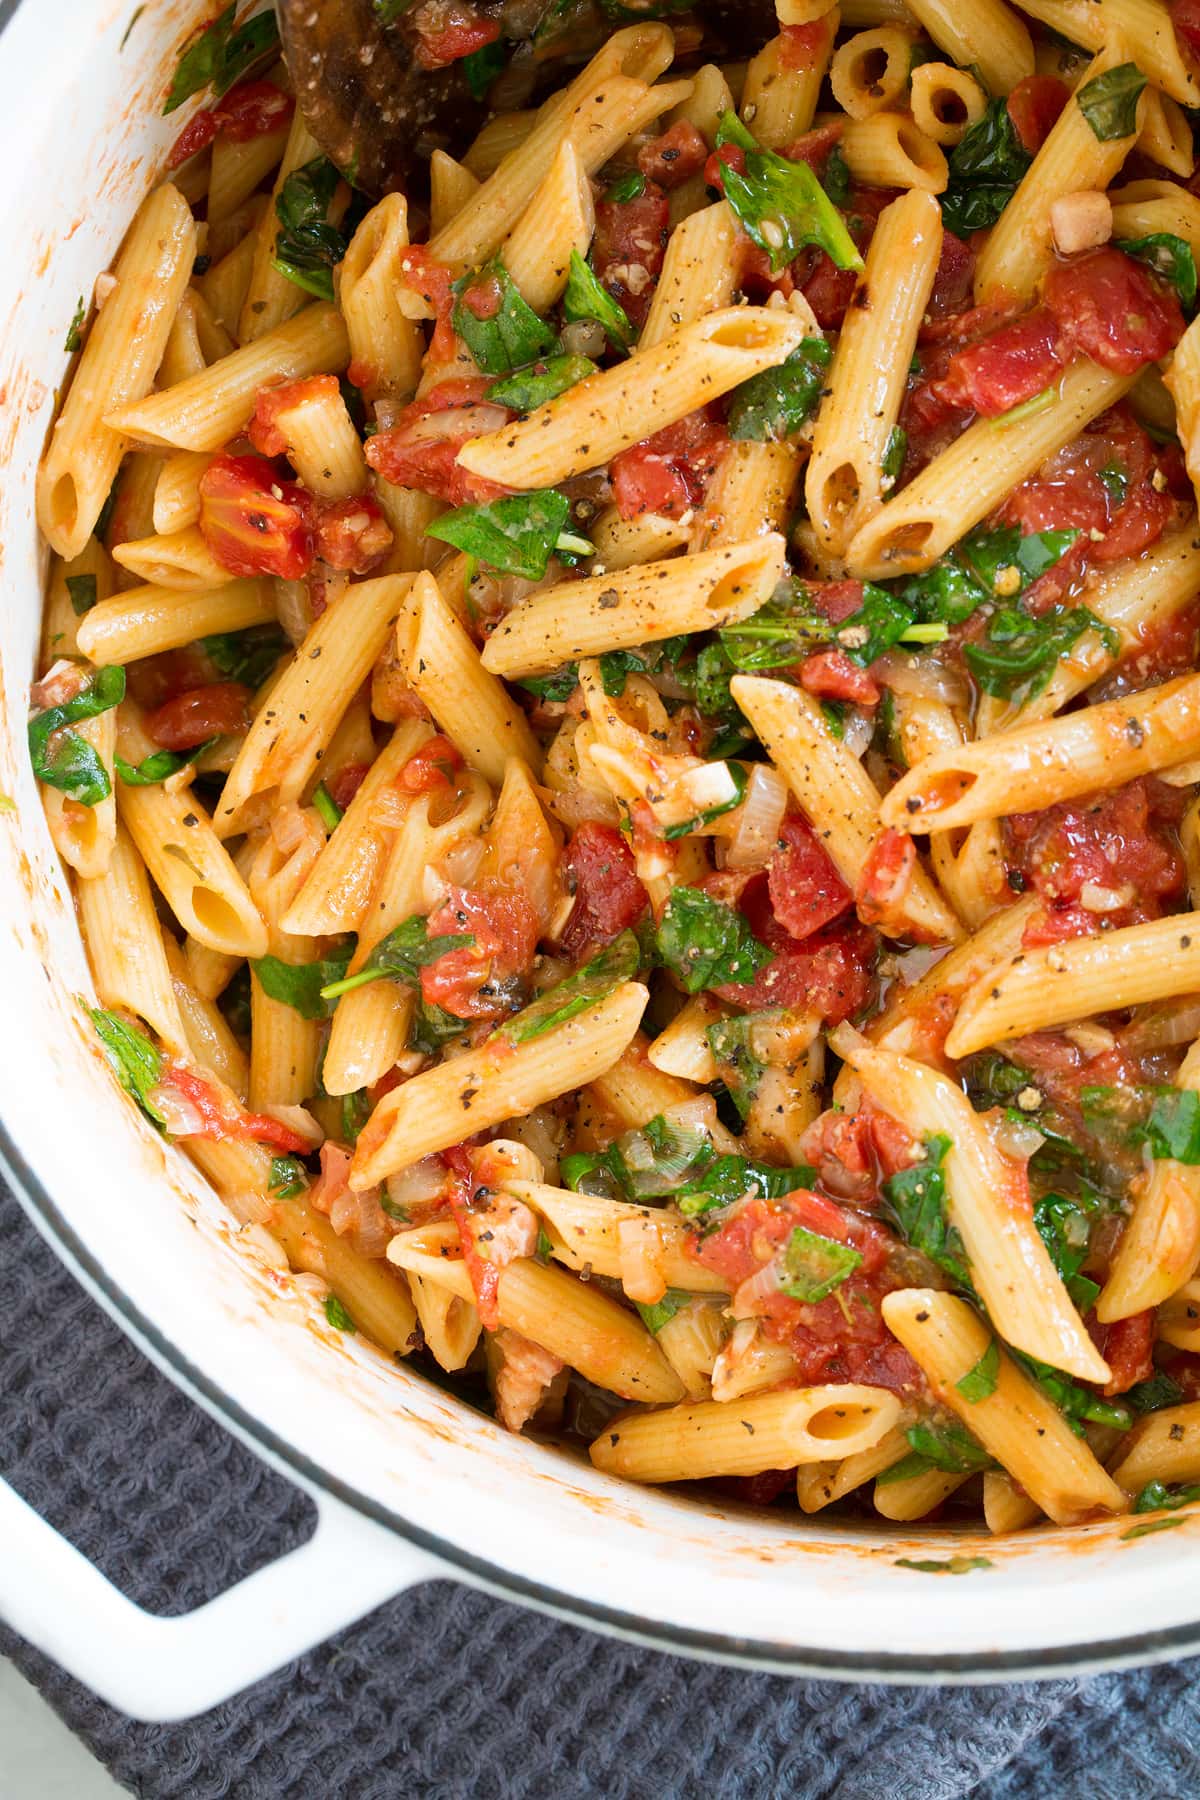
789,627
706,944
618,962
327,808
952,1565
400,956
737,1065
1169,256
815,1265
992,555
1065,1224
159,766
75,342
1173,1128
1109,102
81,590
1079,1405
516,536
585,298
895,450
482,66
664,1310
391,10
1153,1525
985,167
356,1110
432,1028
135,1062
836,177
781,205
630,186
337,1315
979,1383
917,1198
777,402
63,759
301,985
219,56
557,687
1153,1394
288,1177
512,335
739,779
307,246
949,1446
527,389
246,656
728,1178
1159,1496
1020,653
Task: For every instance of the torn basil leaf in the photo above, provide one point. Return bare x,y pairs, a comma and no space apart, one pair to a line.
517,536
777,402
307,246
301,985
400,956
949,1446
737,1065
159,766
61,757
1109,102
1173,1127
781,205
728,1178
707,944
595,981
815,1265
979,1382
526,389
220,55
134,1060
985,167
511,335
917,1199
585,298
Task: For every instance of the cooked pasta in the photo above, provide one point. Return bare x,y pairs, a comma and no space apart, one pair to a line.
624,725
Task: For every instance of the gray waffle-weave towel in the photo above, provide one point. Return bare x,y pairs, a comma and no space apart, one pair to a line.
448,1693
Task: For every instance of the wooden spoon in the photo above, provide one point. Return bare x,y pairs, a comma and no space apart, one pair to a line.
379,113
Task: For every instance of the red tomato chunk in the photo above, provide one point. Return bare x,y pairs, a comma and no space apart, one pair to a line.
1112,309
599,869
220,710
477,982
670,471
253,523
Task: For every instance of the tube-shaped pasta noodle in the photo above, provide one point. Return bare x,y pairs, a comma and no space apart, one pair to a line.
1182,380
821,1484
123,350
865,385
293,727
225,284
587,1233
711,97
146,620
743,1437
469,703
699,273
888,150
637,605
322,443
1006,1506
499,1080
241,1174
451,185
385,346
869,71
374,1295
560,218
124,943
915,1496
189,864
633,1091
1017,1422
496,138
238,167
1164,1446
207,1032
682,1049
283,1043
752,493
595,420
981,34
1011,1266
835,792
945,102
975,474
1144,208
1072,160
182,561
1145,24
205,411
1159,1248
1052,760
1178,1319
781,90
647,538
1036,989
271,299
1166,135
449,1325
177,491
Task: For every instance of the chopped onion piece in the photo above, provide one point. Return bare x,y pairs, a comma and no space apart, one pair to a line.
758,819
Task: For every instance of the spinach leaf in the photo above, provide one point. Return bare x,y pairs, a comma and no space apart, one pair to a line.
1064,1223
979,1382
1169,256
289,1177
516,536
777,402
74,341
781,205
337,1315
985,167
356,1110
1079,1405
739,1068
1020,653
728,1178
246,656
945,1445
706,944
1173,1127
950,1565
482,66
1159,1495
557,686
159,766
664,1310
627,187
220,55
835,178
512,335
63,759
135,1062
585,298
301,985
595,981
789,627
308,247
1109,102
894,453
400,956
432,1028
815,1265
81,590
527,389
1006,562
1151,1395
917,1199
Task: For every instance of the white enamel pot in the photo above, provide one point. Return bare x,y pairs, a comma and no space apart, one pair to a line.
409,1484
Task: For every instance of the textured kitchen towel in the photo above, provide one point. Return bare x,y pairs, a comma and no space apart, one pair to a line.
450,1693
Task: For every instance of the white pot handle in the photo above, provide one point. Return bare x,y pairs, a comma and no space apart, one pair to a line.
160,1669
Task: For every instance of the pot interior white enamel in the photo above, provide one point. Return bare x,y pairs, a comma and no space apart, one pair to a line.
82,143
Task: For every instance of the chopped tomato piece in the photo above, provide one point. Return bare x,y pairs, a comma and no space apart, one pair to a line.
1185,16
448,30
263,430
805,889
830,973
599,869
221,710
1119,850
836,601
670,471
1033,106
628,248
886,877
955,274
1127,1346
674,157
222,1118
433,766
343,786
1113,310
854,1153
252,109
805,46
1012,365
253,523
830,675
729,156
478,982
421,449
434,281
352,534
813,147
